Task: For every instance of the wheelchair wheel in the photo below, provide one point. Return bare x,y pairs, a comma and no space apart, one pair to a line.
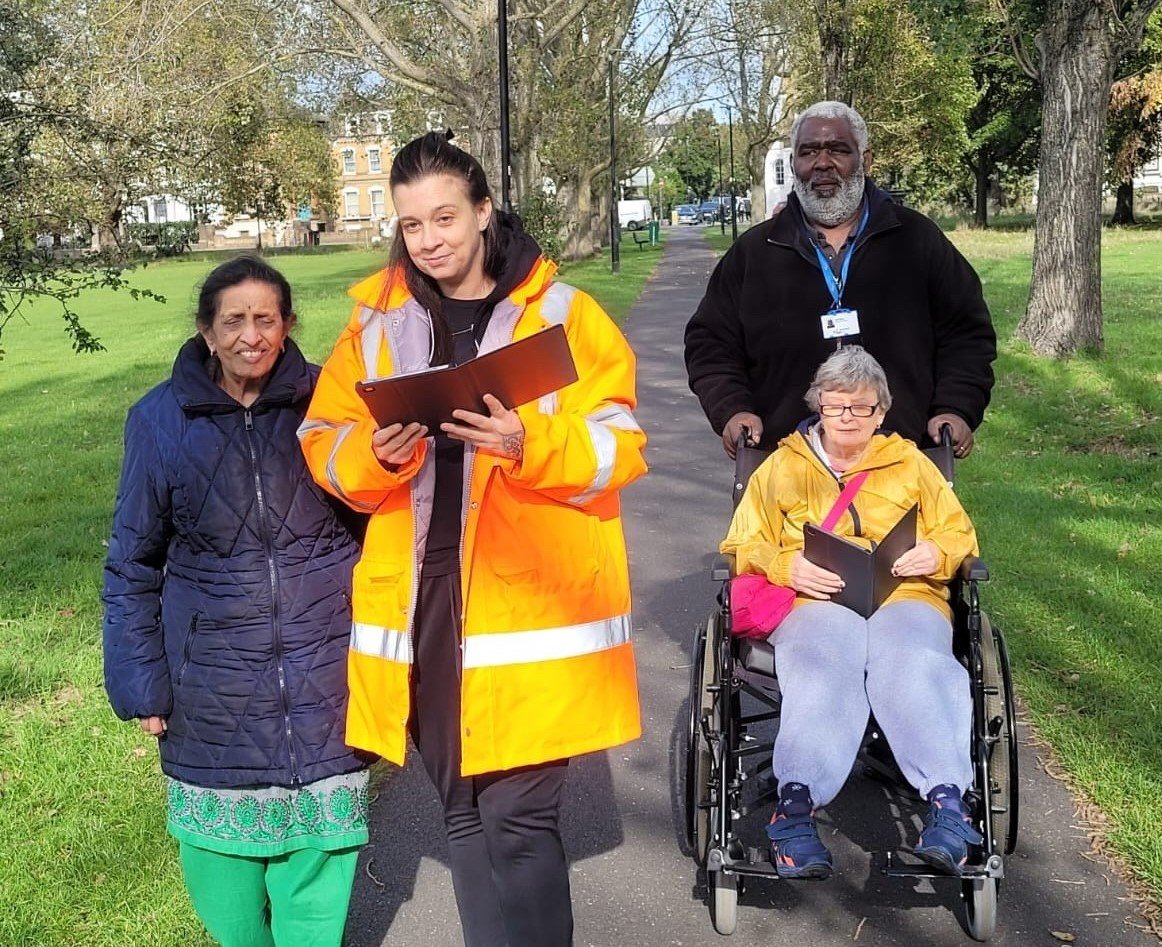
980,907
703,706
724,913
1000,716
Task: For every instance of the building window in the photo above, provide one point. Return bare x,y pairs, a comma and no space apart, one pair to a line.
348,160
159,211
351,203
378,206
351,125
373,162
780,172
1153,164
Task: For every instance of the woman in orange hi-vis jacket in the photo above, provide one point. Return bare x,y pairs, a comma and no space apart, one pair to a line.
492,602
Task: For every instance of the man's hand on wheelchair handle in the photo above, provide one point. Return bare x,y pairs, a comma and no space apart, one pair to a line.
733,431
812,580
921,559
962,437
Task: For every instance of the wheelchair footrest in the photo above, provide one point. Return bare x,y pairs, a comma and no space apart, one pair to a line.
896,866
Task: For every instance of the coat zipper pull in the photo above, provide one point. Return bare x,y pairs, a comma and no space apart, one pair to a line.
249,420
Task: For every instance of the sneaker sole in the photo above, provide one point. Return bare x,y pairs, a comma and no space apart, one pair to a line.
939,859
805,873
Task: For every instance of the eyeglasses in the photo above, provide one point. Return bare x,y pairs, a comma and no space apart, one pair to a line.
857,410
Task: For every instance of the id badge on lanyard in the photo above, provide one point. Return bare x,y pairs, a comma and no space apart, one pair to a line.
840,321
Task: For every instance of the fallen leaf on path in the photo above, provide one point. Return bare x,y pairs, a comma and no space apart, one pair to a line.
1063,936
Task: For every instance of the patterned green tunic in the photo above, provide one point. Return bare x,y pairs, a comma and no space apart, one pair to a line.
267,821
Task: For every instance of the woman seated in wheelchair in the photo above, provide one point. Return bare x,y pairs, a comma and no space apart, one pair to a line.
834,666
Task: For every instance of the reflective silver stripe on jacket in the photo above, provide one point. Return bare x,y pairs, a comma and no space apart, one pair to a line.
546,644
604,443
555,306
333,474
390,644
370,339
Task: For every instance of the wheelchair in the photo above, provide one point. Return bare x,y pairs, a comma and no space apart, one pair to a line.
725,762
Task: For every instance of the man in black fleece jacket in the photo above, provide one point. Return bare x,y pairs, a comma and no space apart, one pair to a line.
893,283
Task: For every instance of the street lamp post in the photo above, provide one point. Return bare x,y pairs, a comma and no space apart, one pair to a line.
721,213
614,247
733,210
502,43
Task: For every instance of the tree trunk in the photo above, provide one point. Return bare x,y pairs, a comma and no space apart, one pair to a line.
834,24
1064,312
577,199
1124,208
980,216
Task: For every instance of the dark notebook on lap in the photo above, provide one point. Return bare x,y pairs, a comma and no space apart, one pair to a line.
867,573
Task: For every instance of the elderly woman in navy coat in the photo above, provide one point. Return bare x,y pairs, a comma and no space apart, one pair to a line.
227,616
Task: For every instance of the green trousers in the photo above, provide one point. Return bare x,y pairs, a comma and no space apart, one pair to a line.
295,900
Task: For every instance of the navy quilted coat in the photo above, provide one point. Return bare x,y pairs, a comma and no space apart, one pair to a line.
226,596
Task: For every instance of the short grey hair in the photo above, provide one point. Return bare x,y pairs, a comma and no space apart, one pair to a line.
848,369
832,110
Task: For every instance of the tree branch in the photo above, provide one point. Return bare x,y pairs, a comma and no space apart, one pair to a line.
406,72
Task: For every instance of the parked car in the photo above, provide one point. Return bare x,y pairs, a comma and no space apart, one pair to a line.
687,214
708,212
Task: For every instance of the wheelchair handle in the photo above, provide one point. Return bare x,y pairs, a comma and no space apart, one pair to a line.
945,435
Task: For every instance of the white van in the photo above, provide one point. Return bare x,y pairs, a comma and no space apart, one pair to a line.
633,215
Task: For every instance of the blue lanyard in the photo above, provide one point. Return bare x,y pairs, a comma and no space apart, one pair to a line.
834,287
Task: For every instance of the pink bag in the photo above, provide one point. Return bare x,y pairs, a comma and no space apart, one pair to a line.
757,606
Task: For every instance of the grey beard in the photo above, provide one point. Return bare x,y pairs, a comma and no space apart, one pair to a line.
834,210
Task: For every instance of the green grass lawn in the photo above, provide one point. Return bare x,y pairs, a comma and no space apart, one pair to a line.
84,859
1065,488
1066,492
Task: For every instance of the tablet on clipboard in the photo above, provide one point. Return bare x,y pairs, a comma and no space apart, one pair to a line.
515,374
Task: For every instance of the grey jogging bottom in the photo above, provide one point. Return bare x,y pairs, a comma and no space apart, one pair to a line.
835,667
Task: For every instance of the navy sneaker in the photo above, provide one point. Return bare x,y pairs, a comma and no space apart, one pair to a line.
796,849
947,831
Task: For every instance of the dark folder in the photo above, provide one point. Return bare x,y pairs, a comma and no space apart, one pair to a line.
515,374
866,573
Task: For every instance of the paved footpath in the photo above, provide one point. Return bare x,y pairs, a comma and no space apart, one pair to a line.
632,884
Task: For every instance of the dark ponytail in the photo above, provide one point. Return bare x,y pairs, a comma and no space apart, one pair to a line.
430,154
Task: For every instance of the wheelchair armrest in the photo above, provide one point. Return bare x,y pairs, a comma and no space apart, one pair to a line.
973,569
722,569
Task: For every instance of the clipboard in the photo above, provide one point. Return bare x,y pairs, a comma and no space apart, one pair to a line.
516,374
866,573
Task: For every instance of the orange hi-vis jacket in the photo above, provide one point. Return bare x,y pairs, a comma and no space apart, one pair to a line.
548,665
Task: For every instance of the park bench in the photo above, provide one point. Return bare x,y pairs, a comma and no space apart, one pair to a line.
641,238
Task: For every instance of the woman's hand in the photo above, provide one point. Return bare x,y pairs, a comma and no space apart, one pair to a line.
154,726
812,580
921,559
395,444
498,432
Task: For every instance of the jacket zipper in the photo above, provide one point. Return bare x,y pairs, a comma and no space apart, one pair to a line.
469,468
189,646
275,613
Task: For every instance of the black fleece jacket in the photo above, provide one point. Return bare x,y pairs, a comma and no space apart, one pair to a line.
755,341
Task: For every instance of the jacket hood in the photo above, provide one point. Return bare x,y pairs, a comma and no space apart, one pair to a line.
884,449
290,380
525,272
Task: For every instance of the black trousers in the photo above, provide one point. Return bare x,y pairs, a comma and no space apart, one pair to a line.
504,840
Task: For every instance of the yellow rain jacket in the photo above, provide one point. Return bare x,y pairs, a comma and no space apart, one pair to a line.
548,664
794,487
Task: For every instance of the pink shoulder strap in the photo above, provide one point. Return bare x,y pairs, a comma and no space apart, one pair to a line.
844,500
